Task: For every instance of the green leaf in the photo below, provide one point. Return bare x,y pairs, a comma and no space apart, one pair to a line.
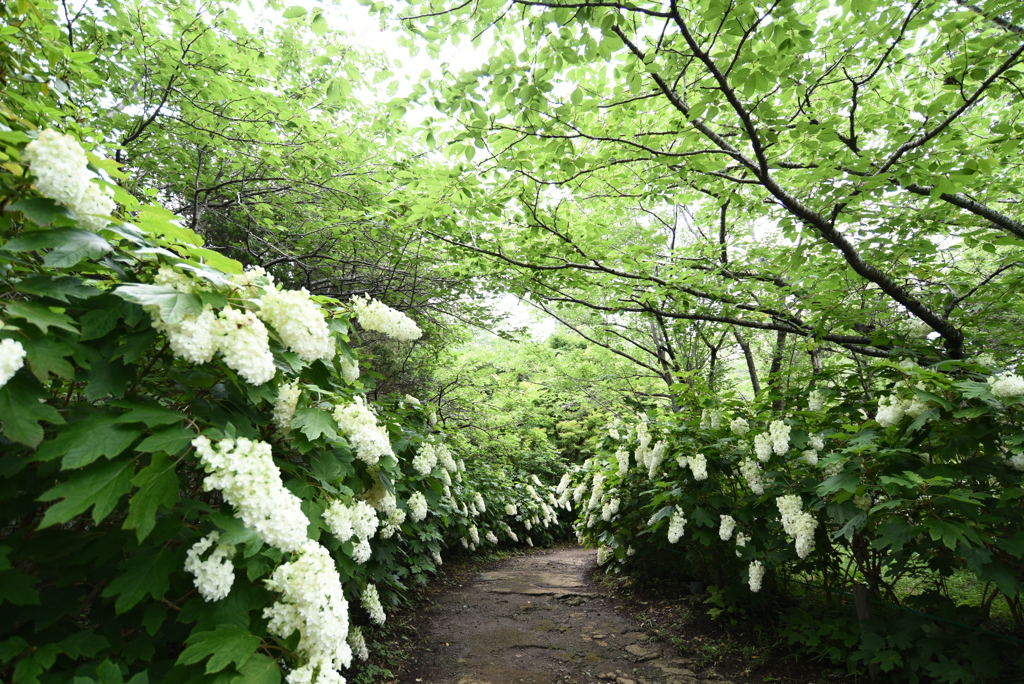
41,211
173,305
38,661
260,669
85,644
150,415
107,377
40,316
170,440
99,322
847,482
57,287
21,410
78,245
224,645
158,486
99,487
16,588
294,12
147,572
47,356
314,423
82,442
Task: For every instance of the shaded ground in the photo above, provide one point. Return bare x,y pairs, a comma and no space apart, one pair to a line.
538,619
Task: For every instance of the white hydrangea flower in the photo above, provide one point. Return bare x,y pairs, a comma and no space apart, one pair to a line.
417,506
94,207
763,446
816,442
756,574
369,440
890,411
214,576
815,401
425,459
741,542
510,509
193,338
739,427
284,405
1006,385
811,456
655,459
445,458
726,528
59,165
299,321
751,472
374,315
622,458
243,341
349,370
491,537
676,525
357,642
579,491
437,557
779,432
338,517
597,492
474,534
478,501
371,603
12,358
313,603
699,466
798,523
364,520
245,473
361,551
711,418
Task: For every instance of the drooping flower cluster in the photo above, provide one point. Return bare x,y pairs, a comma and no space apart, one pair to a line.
12,358
357,642
491,537
61,171
417,506
284,405
751,472
510,509
779,432
299,321
371,603
425,459
358,520
245,473
763,446
214,576
622,458
655,457
313,603
711,418
741,542
698,466
756,573
369,440
739,427
243,341
727,526
1006,385
445,458
676,525
815,401
349,370
374,315
890,411
798,523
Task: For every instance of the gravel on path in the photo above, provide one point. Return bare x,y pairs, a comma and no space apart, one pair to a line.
538,619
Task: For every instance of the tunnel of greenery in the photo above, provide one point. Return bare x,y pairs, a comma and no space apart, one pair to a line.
253,392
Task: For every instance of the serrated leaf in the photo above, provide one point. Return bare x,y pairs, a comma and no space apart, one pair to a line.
173,305
107,377
78,245
294,12
100,487
16,588
100,321
57,287
150,415
40,316
21,412
47,356
158,486
85,644
102,438
225,645
41,211
170,440
260,669
148,572
314,423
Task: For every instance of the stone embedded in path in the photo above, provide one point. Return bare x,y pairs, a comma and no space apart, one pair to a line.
642,653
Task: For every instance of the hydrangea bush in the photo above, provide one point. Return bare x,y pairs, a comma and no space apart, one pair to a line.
195,484
837,489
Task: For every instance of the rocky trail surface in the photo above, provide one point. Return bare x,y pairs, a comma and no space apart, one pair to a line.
538,619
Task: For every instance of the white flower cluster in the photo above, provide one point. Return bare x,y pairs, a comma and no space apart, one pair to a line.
726,528
445,458
358,520
425,459
417,506
299,321
698,466
655,457
245,473
604,554
756,575
763,446
711,418
579,491
676,525
597,492
815,401
284,405
1006,385
357,642
369,440
751,472
890,411
643,437
739,427
510,509
622,459
374,315
478,502
779,432
243,341
349,370
741,541
474,534
61,169
798,523
371,603
610,509
392,524
313,603
215,575
12,358
491,537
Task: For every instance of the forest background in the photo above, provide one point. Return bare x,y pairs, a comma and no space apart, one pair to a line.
782,241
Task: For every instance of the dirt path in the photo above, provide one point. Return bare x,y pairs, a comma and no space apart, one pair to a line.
538,619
